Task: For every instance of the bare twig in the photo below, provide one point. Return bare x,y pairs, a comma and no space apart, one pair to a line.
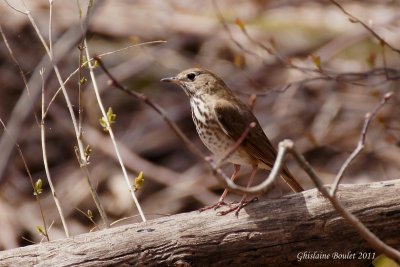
95,196
354,78
26,100
21,72
364,232
225,25
51,225
14,8
108,125
51,26
253,99
236,145
361,142
111,133
260,188
155,107
369,29
30,179
384,60
81,80
284,62
88,215
83,63
351,78
46,165
82,158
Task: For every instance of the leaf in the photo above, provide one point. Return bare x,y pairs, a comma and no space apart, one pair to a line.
375,93
111,118
139,180
371,59
90,214
316,60
37,190
95,64
272,42
134,39
239,60
311,138
85,62
88,152
239,23
383,261
83,81
41,230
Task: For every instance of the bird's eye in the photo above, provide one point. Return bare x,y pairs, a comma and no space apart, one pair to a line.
191,76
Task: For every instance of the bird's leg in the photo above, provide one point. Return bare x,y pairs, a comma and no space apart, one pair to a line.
221,201
243,202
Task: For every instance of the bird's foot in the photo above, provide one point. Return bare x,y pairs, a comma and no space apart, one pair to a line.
215,206
243,203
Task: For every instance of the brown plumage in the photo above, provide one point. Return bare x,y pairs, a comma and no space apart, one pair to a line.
221,119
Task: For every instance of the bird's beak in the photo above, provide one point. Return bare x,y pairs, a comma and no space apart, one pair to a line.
170,80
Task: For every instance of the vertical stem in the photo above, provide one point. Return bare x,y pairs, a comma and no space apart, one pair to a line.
111,133
46,167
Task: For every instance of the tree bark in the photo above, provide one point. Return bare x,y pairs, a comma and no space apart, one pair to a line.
272,232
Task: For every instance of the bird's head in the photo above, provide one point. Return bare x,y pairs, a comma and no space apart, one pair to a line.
197,81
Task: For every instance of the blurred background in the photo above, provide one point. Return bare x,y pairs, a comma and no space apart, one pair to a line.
315,74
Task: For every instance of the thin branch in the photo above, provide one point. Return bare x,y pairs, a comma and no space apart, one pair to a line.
46,165
353,78
260,188
111,133
51,26
82,159
21,72
46,236
236,145
108,125
253,99
128,47
26,101
225,25
83,63
86,174
369,29
30,179
384,60
81,80
88,215
363,231
155,107
361,142
286,63
14,8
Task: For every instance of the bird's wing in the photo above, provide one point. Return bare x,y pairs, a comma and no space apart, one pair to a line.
234,120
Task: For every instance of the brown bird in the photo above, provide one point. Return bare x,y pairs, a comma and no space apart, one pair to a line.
220,120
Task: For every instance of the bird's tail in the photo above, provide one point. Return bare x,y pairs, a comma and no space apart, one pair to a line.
290,180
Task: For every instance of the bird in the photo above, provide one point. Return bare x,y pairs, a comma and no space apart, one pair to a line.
221,119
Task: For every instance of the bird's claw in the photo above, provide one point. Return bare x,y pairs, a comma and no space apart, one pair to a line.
237,207
215,206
